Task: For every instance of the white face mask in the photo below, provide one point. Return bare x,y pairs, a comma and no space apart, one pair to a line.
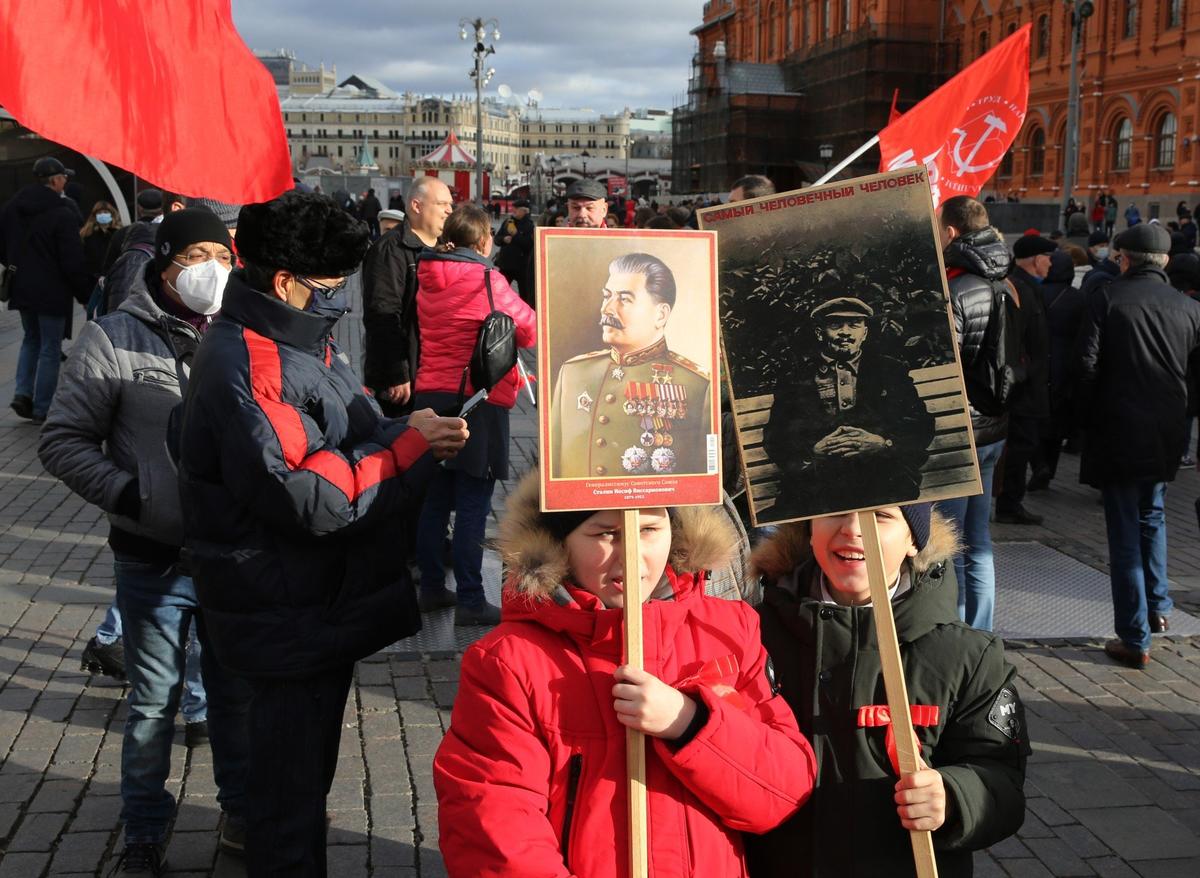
1101,252
104,218
202,286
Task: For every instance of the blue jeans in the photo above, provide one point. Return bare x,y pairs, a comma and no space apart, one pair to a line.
973,566
471,498
158,607
109,631
193,705
39,358
1137,557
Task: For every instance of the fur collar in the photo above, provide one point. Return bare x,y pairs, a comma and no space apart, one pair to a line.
536,563
789,547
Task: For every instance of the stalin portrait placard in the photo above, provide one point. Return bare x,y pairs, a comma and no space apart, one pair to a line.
627,350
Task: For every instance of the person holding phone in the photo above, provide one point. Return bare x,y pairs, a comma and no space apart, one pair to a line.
452,302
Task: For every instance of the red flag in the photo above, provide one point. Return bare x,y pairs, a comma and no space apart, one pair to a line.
894,114
962,130
166,90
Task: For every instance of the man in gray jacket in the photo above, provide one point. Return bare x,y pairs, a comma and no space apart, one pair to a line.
105,436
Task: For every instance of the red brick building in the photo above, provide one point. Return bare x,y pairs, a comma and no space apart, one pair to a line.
1139,116
773,80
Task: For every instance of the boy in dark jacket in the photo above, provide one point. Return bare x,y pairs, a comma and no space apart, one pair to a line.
817,626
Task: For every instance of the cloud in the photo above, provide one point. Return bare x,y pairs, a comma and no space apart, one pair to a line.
605,56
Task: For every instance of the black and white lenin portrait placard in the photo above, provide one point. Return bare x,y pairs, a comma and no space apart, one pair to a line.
842,364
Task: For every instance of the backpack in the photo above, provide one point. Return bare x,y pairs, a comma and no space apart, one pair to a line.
495,352
991,377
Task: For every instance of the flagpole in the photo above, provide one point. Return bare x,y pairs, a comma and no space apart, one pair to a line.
829,175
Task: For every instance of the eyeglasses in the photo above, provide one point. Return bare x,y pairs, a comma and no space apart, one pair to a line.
327,292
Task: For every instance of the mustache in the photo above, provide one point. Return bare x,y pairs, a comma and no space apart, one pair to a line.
609,320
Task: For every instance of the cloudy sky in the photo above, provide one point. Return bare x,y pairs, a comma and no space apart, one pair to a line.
601,55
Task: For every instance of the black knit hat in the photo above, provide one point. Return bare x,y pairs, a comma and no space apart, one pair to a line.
302,232
918,517
182,228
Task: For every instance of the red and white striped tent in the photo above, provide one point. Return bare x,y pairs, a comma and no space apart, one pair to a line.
454,166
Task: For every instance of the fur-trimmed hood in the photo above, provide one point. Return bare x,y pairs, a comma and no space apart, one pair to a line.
536,561
786,565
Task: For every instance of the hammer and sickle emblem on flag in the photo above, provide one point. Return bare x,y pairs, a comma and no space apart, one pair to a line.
967,165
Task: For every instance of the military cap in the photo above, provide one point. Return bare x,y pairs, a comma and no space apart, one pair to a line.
842,306
586,188
1032,245
1144,238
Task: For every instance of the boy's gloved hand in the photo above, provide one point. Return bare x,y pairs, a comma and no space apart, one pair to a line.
921,799
646,703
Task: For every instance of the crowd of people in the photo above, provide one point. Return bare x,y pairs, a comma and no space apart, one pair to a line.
273,520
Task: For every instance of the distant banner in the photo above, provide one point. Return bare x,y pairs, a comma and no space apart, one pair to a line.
616,185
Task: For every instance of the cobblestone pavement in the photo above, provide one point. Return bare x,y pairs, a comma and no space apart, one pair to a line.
1114,785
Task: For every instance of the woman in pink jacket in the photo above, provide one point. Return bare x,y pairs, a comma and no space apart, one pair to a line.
452,302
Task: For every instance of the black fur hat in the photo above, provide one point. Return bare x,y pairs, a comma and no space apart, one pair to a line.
302,232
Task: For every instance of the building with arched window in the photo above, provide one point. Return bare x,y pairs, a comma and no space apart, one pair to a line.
1139,119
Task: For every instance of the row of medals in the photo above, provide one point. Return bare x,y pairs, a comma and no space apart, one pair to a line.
658,403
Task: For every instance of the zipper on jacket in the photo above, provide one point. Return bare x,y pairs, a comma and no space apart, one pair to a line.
574,771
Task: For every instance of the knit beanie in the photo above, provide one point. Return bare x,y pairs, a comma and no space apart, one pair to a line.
560,524
917,515
182,228
228,213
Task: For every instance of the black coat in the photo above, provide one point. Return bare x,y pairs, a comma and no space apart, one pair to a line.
1031,396
1137,339
886,404
1063,305
973,262
513,259
39,234
292,485
826,664
389,276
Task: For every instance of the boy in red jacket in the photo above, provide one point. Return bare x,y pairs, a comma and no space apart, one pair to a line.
530,777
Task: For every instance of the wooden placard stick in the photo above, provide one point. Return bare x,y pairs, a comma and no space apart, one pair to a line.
893,680
635,741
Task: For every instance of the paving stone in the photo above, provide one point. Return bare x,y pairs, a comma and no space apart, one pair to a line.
192,851
1057,857
393,846
80,852
37,832
1081,784
1181,868
10,813
1140,833
23,865
57,795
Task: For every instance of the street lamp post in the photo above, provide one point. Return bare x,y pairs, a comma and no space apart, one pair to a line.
825,150
479,29
1082,10
585,155
553,163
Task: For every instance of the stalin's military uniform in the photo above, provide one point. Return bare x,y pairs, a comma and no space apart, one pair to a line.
645,413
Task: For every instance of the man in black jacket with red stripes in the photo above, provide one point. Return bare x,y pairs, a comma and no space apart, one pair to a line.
291,479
